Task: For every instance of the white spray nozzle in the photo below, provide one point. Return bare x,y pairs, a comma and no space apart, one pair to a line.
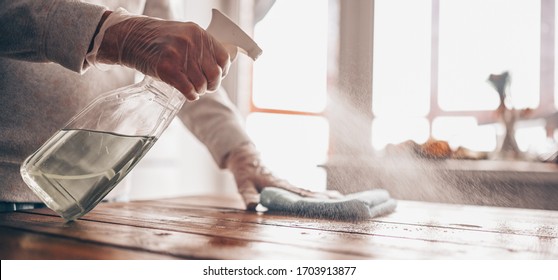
231,36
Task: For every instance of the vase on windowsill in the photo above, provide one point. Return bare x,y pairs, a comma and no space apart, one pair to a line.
507,148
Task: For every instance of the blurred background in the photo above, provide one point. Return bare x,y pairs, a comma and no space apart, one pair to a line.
342,82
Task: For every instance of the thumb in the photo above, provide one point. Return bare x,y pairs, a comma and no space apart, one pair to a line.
249,194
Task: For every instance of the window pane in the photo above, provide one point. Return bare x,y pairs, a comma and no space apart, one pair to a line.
478,38
402,48
453,129
292,72
396,130
292,146
465,132
531,138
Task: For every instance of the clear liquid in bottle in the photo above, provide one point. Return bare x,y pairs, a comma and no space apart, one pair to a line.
76,168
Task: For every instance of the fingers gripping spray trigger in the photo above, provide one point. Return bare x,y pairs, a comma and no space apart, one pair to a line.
79,165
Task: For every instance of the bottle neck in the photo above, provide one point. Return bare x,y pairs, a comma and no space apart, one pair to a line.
168,94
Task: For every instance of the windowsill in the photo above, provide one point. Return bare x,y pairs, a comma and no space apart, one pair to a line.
482,182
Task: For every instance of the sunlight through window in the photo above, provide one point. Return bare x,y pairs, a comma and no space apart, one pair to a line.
472,39
401,58
291,76
396,130
464,132
292,146
531,138
479,38
292,73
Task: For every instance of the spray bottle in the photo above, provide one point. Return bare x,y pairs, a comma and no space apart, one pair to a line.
79,165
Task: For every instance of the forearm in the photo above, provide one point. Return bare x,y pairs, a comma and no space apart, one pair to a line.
215,121
57,31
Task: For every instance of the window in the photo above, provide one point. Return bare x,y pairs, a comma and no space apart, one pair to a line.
432,60
289,91
478,38
401,76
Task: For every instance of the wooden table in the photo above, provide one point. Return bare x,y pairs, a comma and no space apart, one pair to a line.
205,227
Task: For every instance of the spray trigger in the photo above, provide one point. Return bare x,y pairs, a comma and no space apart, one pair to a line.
233,38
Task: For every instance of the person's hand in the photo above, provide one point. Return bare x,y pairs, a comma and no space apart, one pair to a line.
181,54
251,177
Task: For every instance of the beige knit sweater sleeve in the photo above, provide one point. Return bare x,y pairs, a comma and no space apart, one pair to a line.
57,31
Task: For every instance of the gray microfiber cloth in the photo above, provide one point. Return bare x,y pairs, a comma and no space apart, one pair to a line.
355,206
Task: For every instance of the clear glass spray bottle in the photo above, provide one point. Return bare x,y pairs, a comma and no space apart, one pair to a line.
79,165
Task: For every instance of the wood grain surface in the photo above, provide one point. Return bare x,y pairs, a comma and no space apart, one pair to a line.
212,227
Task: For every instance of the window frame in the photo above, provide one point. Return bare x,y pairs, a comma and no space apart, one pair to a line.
355,66
546,105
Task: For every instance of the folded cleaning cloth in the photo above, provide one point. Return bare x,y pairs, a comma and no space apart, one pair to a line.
355,206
